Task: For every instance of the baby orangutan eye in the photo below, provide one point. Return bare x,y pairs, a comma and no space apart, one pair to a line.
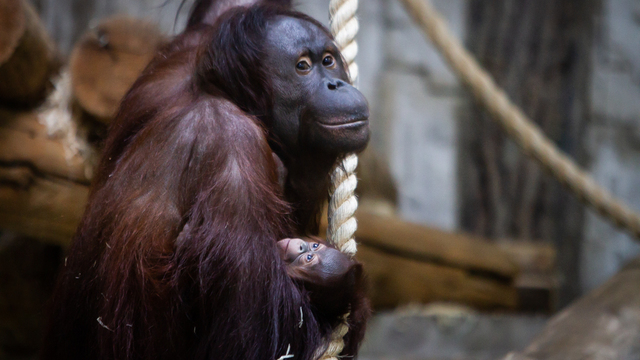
303,65
309,257
315,245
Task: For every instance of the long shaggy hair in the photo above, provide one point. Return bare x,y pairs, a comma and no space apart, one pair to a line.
175,256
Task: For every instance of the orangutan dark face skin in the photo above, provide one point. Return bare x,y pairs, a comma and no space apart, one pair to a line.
314,261
314,106
333,281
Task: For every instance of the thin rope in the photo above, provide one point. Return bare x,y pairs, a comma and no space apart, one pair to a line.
517,125
343,204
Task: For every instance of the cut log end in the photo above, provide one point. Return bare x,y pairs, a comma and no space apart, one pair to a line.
27,56
12,27
108,60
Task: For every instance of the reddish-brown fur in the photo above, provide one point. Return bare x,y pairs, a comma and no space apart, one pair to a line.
175,257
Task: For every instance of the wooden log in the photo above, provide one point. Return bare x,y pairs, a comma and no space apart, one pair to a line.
394,236
27,55
12,27
396,281
536,261
24,140
35,205
605,324
538,280
107,61
43,190
409,263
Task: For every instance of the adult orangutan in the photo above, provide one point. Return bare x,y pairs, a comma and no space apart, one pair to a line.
220,149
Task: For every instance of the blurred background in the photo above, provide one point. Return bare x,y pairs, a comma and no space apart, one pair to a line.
470,246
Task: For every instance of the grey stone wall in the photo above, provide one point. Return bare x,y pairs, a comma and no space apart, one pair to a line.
614,136
447,334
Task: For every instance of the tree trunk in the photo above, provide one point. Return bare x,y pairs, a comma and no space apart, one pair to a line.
539,52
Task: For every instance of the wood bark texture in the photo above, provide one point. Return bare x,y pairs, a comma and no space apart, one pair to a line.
408,263
401,238
396,281
539,52
12,25
43,191
27,55
107,61
604,325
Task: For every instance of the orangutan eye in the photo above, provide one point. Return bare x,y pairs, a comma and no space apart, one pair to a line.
328,61
303,65
309,257
315,245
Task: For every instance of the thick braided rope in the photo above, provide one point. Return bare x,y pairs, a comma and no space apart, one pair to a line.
343,203
519,127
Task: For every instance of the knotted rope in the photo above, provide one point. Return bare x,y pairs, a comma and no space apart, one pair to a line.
517,125
343,203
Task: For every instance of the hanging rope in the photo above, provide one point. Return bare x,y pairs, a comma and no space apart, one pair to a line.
519,127
343,203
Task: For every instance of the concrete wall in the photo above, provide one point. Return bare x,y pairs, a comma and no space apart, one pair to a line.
442,333
614,136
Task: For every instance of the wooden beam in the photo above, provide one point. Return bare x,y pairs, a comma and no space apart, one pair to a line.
410,263
24,140
12,26
43,189
397,237
39,206
605,324
27,55
108,60
537,263
396,281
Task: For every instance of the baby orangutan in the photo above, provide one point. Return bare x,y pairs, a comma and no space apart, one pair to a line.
334,282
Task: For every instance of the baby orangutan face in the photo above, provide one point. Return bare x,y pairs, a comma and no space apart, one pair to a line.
314,261
333,281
